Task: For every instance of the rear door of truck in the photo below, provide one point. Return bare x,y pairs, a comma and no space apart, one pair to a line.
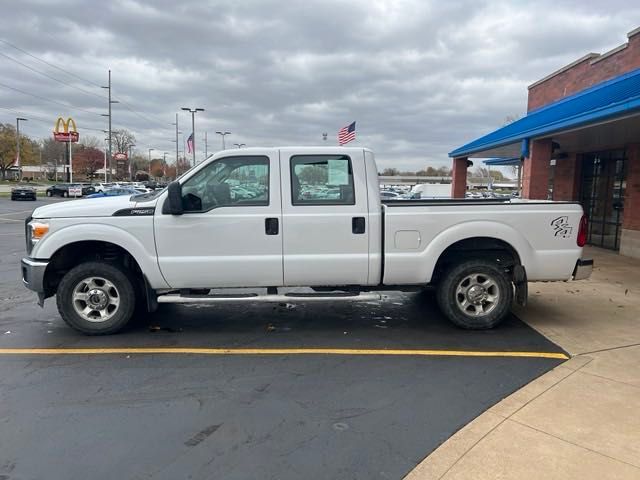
325,231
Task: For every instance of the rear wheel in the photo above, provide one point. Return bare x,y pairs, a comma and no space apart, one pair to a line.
96,298
48,193
65,194
476,294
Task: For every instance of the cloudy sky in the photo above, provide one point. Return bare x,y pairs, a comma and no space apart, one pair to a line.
419,77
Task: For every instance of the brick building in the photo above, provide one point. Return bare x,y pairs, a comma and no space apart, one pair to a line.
580,141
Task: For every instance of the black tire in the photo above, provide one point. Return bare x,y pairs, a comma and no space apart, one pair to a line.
454,292
65,194
49,193
126,295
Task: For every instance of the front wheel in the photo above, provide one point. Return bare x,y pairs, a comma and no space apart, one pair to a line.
65,194
96,298
49,193
476,294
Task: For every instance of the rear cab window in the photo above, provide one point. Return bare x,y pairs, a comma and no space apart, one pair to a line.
322,180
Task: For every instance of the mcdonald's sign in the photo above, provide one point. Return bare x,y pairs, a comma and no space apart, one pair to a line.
65,131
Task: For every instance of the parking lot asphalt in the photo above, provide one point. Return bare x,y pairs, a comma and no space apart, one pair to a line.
251,412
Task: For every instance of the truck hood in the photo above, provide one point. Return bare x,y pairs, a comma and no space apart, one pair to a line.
89,207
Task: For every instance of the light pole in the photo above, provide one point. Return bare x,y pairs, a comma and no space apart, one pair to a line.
206,146
108,87
223,134
131,145
193,128
150,150
176,124
240,145
18,120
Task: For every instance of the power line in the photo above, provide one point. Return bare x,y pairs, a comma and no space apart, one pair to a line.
86,92
50,64
48,99
38,118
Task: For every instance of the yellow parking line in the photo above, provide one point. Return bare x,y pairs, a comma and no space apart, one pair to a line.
275,351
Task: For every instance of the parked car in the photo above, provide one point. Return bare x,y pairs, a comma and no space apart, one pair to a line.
23,192
62,189
116,192
101,186
388,195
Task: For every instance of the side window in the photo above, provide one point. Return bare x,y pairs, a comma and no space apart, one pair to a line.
228,182
322,180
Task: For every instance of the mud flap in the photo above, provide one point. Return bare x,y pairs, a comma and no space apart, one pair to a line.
521,284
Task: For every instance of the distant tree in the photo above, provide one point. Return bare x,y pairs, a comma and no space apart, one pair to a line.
157,168
121,139
312,174
182,166
87,161
8,149
390,172
170,172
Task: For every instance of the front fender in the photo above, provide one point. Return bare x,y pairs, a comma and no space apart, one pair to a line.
127,235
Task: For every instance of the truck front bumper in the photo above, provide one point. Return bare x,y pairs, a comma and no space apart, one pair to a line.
583,269
33,274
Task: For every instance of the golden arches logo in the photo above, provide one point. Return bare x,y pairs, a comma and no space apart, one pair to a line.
66,131
65,125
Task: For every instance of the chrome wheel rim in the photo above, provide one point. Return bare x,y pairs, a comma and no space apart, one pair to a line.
96,299
477,294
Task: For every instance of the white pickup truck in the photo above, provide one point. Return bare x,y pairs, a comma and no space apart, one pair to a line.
268,218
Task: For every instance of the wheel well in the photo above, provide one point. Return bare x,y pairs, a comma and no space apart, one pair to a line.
485,248
76,253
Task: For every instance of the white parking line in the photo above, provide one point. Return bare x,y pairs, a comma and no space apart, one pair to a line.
15,213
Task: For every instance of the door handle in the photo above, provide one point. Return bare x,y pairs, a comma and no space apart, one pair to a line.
271,226
358,225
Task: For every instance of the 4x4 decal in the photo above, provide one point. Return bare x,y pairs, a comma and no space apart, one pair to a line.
561,227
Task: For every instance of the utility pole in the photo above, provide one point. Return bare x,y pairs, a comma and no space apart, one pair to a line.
18,159
131,145
108,87
206,152
193,129
150,150
223,134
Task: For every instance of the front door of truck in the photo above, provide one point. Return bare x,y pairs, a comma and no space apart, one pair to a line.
325,218
230,232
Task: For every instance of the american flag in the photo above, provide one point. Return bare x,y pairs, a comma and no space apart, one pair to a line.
346,134
190,143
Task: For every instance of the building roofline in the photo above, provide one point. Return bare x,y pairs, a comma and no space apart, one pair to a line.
592,57
588,56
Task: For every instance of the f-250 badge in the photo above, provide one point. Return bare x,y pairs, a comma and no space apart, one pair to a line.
561,227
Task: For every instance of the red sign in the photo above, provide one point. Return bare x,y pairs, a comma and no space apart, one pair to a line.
120,156
72,137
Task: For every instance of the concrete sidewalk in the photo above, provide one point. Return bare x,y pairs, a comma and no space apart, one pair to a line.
582,419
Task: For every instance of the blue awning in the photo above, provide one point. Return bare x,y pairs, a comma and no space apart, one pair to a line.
502,162
614,98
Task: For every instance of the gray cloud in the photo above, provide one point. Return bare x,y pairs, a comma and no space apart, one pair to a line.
419,77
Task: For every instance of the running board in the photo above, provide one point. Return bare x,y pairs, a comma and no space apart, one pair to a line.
283,298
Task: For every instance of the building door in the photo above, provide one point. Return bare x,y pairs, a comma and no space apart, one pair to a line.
602,190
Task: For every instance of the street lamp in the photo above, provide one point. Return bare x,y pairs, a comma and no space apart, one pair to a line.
150,150
18,120
223,134
131,145
240,145
193,128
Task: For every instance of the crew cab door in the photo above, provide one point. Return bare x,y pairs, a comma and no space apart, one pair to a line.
230,232
325,218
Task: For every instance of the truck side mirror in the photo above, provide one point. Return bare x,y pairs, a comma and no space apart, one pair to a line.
174,199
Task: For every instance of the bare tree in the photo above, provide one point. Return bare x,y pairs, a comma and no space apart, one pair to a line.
121,139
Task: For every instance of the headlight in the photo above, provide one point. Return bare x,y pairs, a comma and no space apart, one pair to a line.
36,230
